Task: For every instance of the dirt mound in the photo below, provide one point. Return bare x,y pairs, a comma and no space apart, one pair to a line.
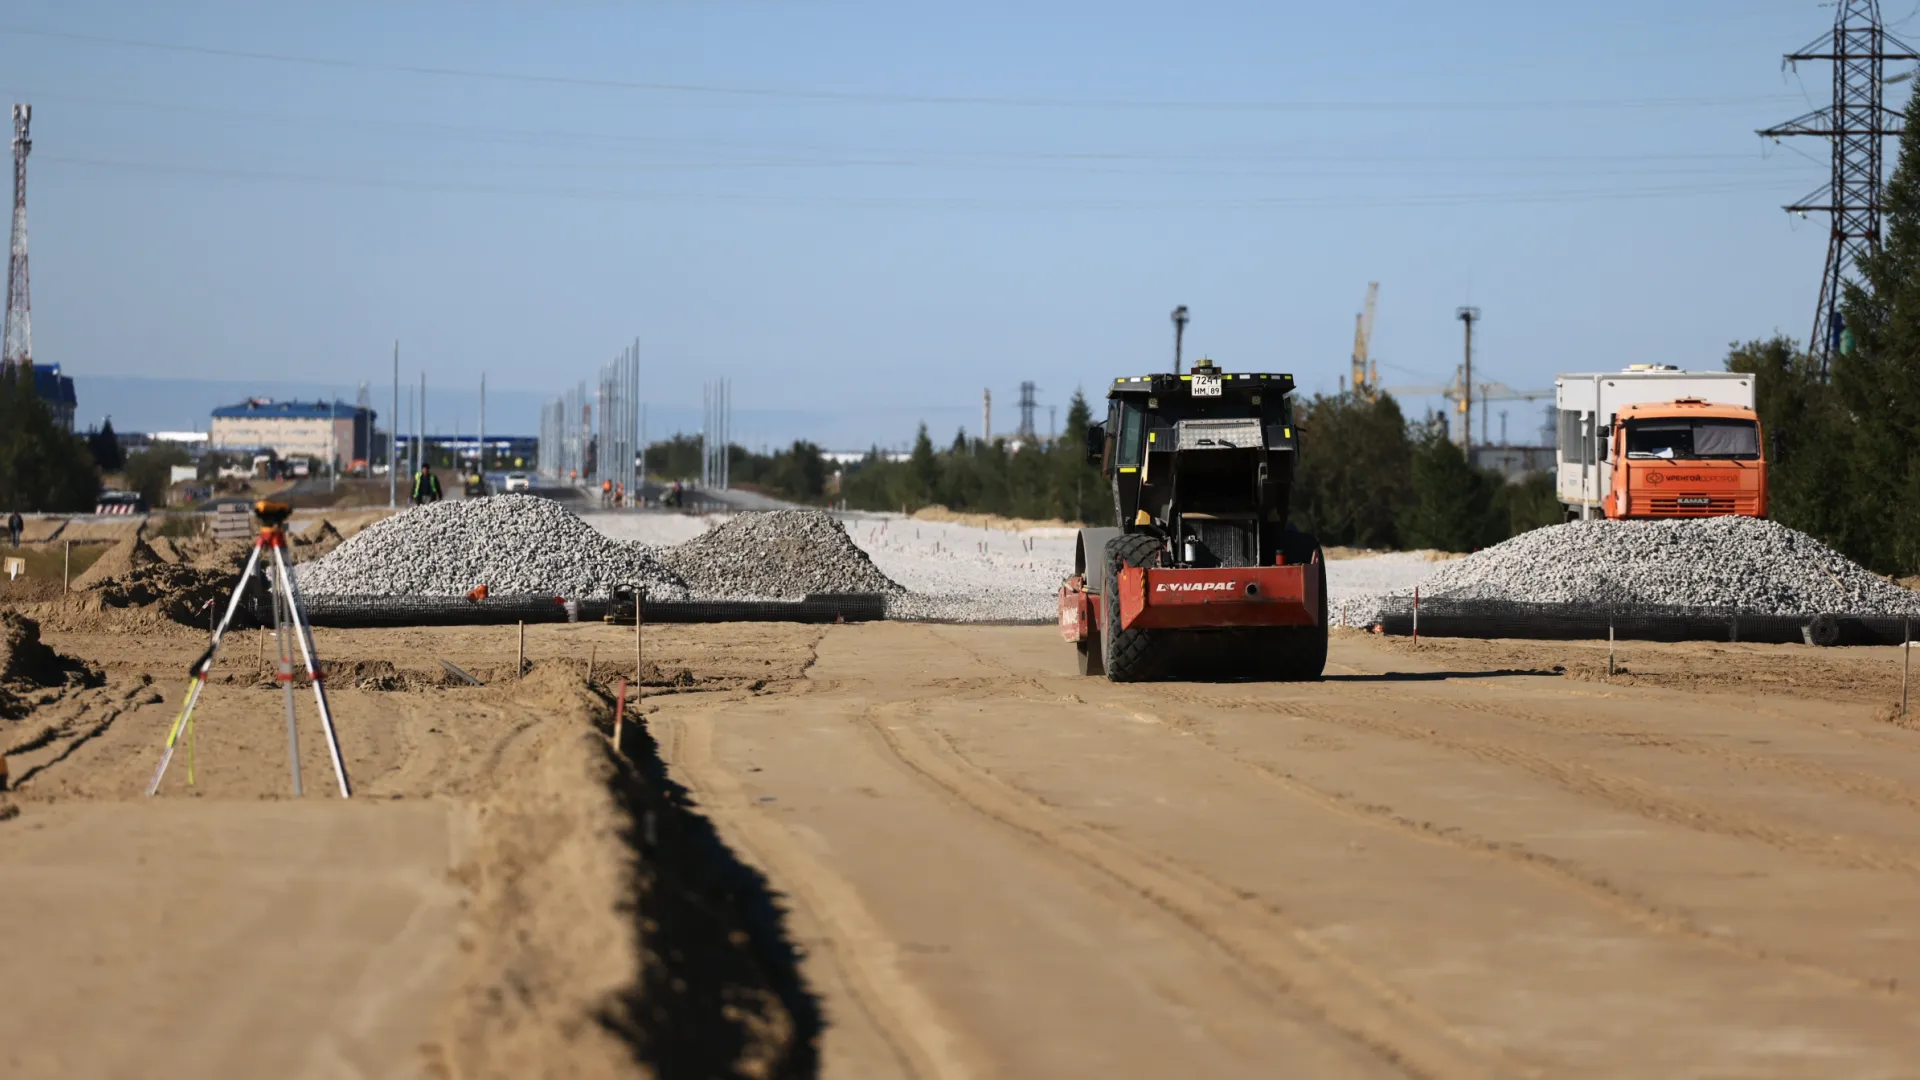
181,593
24,657
108,530
314,541
40,530
163,548
122,558
27,664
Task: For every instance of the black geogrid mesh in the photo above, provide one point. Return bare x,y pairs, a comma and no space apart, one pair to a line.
365,611
1441,617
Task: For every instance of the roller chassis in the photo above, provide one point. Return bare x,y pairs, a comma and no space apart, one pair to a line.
1201,576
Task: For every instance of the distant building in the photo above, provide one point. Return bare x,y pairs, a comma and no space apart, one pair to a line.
1515,463
330,431
57,391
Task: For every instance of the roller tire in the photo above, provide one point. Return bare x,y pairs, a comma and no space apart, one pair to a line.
1126,655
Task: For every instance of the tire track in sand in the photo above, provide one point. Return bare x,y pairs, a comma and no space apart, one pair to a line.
1623,903
1623,792
1340,992
866,956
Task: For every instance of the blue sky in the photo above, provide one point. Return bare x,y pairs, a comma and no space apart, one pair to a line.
864,213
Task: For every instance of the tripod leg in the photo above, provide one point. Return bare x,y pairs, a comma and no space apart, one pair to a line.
282,634
305,638
197,674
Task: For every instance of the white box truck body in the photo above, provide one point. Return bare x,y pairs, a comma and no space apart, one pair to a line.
1587,404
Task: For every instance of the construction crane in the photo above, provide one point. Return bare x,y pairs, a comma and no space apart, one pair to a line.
1366,376
1483,392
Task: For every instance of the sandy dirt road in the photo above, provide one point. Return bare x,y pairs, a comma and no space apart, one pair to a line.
1462,862
478,908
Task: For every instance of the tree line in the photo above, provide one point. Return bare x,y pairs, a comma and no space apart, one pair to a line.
1367,478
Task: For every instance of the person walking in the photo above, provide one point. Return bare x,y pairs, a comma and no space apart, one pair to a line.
426,486
14,525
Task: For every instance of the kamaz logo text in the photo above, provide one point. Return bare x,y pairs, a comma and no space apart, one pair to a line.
1194,586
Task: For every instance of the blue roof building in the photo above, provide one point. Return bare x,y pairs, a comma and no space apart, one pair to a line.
57,391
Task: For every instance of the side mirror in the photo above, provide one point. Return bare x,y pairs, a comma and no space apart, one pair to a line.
1096,442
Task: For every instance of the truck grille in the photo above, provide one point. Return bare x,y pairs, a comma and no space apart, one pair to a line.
1684,505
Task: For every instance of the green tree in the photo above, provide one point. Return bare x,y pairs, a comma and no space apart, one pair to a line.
1876,386
923,470
150,472
106,448
1354,480
1453,502
1808,443
41,466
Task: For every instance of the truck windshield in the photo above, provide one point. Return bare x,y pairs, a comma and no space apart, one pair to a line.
1684,439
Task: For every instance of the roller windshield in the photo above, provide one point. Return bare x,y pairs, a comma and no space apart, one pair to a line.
1683,439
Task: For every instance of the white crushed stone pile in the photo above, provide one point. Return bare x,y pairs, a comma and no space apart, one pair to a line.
955,572
515,545
1724,563
775,555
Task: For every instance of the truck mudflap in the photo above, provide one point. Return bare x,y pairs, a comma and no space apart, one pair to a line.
1225,596
1079,611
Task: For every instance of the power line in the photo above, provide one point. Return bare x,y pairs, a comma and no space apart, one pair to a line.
873,98
1570,195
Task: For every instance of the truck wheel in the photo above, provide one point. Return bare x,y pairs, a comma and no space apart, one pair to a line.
1127,655
1300,654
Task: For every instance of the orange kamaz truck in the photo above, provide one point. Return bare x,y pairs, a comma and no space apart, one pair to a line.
1654,441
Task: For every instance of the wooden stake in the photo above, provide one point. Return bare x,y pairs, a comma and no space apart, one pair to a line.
66,565
593,652
639,664
520,658
1609,647
1416,615
1907,660
619,714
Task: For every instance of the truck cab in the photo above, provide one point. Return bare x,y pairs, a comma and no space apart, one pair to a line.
1654,441
1686,458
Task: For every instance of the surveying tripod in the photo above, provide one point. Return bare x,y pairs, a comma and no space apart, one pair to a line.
290,631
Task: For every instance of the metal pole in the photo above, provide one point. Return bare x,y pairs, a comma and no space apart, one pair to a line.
420,456
520,657
481,465
1906,661
303,637
66,567
393,436
1467,315
1610,667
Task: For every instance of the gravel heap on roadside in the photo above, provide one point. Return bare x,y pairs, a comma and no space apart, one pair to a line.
777,555
1724,563
512,544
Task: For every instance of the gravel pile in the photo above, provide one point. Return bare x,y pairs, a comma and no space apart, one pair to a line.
777,555
1724,563
512,544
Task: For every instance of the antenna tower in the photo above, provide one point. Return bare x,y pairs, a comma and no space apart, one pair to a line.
1856,123
1027,406
18,351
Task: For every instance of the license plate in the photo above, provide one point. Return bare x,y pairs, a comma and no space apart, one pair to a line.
1206,386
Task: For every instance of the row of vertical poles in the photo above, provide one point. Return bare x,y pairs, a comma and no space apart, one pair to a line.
566,437
619,437
716,433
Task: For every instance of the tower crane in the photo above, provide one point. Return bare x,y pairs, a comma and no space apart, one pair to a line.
1366,376
1483,392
